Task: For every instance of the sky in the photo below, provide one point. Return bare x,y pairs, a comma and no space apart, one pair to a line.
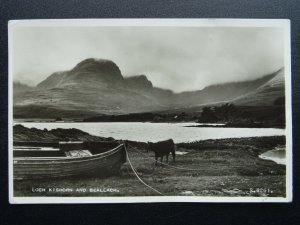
175,58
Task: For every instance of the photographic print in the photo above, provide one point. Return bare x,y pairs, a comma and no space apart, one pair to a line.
150,110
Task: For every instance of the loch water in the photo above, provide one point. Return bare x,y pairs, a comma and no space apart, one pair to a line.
179,132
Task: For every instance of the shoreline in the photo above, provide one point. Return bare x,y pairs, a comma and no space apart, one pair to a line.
242,126
208,124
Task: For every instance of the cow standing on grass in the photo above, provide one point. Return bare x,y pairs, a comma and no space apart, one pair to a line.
161,149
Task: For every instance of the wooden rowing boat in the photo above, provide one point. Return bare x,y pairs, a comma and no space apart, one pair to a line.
33,160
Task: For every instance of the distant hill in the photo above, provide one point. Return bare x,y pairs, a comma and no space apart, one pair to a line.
18,87
223,92
96,87
270,93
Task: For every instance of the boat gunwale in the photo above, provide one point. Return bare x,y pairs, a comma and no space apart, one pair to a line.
57,160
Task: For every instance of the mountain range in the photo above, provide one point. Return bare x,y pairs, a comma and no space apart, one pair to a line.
97,87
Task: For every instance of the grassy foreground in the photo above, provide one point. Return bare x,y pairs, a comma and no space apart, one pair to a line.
226,167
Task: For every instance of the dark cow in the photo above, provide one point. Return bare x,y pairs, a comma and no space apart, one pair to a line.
161,149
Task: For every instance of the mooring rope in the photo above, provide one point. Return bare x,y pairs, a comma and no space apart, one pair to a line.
135,172
175,167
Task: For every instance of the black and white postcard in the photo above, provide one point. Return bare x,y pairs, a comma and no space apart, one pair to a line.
150,110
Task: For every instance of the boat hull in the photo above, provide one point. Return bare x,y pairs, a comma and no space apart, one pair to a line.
102,164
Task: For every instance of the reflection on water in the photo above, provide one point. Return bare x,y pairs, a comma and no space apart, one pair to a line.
277,155
179,132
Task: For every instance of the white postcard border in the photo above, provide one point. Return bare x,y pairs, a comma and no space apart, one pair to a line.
281,23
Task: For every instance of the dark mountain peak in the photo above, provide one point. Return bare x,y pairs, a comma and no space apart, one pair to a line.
100,66
140,78
139,81
87,72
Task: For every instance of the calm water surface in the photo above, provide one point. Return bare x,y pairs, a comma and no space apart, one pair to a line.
179,132
277,155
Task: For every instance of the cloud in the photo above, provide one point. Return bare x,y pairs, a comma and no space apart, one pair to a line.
177,58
